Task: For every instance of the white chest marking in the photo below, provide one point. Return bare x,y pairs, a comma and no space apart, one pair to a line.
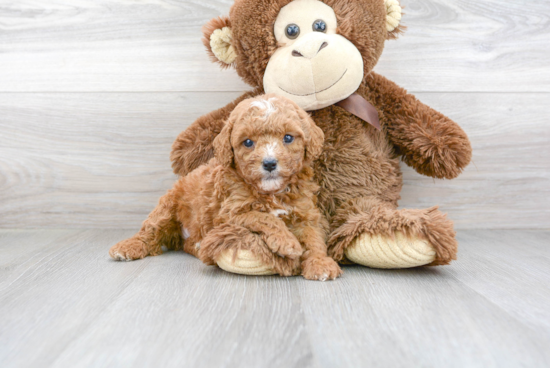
185,233
279,213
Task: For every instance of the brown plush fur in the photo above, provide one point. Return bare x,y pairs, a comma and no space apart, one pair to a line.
233,203
358,170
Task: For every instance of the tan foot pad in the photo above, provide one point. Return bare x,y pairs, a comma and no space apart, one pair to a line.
246,263
381,251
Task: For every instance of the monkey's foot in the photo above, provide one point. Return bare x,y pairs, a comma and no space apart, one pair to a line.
382,251
244,263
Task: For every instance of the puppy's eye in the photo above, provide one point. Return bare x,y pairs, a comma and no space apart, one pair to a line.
319,26
292,31
288,139
248,143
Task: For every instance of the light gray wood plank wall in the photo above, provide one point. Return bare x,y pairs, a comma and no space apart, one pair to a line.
102,159
93,93
154,45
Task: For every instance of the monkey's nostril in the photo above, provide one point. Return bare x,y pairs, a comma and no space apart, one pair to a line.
297,53
269,164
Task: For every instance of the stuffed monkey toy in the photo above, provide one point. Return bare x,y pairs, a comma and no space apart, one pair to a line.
321,55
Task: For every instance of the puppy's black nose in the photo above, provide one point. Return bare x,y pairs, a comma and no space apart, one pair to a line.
269,164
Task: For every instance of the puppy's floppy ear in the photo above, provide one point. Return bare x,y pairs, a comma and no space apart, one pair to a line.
218,40
314,137
223,151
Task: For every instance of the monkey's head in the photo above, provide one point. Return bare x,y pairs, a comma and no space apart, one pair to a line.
314,52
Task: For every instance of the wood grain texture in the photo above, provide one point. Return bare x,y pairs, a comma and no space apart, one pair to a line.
85,134
96,160
64,303
154,45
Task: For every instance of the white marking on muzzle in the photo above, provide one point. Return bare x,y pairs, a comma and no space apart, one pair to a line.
270,150
271,184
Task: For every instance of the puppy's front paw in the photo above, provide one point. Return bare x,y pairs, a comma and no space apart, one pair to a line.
285,246
292,249
321,269
128,250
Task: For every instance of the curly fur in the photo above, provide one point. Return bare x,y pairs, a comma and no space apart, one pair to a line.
224,204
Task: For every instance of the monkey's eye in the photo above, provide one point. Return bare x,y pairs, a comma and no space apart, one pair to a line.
288,139
319,26
292,31
248,143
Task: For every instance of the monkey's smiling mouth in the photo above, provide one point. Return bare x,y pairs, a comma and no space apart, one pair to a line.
309,94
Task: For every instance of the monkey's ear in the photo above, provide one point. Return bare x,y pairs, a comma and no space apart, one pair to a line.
393,18
223,151
218,39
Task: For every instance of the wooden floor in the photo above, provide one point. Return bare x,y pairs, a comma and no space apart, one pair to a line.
64,303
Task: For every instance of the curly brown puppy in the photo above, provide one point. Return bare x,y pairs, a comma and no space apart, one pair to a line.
259,188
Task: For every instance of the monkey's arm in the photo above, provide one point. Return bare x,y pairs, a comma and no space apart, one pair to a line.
193,146
428,141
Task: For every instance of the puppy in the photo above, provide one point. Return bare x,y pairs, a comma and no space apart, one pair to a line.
257,192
